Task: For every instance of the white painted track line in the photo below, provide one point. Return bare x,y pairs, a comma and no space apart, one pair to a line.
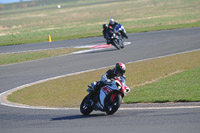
7,103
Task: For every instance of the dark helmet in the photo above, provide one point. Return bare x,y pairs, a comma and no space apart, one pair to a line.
120,69
105,26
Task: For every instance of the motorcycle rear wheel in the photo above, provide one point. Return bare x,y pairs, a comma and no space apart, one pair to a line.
111,108
85,106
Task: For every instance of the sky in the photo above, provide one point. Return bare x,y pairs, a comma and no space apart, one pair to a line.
9,1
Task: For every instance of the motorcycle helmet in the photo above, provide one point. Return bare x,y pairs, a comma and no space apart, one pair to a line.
105,26
111,21
120,69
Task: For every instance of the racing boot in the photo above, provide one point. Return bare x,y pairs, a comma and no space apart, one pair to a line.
108,42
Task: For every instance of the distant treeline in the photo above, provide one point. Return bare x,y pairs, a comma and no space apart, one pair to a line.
33,3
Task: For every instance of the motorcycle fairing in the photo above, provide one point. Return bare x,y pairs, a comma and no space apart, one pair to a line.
119,27
106,90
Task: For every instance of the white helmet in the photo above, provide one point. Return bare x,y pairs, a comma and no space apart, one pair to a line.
111,21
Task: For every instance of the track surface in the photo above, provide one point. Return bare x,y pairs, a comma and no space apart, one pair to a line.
144,45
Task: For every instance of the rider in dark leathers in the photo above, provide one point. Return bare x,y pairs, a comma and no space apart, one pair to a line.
119,70
108,30
106,79
107,33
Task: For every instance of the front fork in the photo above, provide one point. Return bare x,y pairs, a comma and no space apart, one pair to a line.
113,96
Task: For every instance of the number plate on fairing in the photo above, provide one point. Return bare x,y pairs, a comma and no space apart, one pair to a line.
106,90
103,93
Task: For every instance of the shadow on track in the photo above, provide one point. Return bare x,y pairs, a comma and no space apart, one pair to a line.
73,117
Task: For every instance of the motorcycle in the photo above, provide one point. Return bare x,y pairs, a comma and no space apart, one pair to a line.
108,99
117,34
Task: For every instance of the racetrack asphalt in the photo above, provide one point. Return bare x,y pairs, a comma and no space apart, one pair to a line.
143,46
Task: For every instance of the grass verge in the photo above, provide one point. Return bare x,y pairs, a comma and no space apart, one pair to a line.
28,56
69,91
181,87
78,19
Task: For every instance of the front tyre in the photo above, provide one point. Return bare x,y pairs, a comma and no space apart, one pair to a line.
116,44
122,44
112,107
85,106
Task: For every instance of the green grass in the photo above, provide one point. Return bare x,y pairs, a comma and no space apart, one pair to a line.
78,19
182,87
35,55
70,90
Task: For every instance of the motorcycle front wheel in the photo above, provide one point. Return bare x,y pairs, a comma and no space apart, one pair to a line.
112,107
116,43
122,44
85,106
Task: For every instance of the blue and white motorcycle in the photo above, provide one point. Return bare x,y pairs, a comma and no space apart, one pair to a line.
118,33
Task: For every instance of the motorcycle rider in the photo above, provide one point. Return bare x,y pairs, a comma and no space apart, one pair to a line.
119,70
107,30
112,23
107,33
